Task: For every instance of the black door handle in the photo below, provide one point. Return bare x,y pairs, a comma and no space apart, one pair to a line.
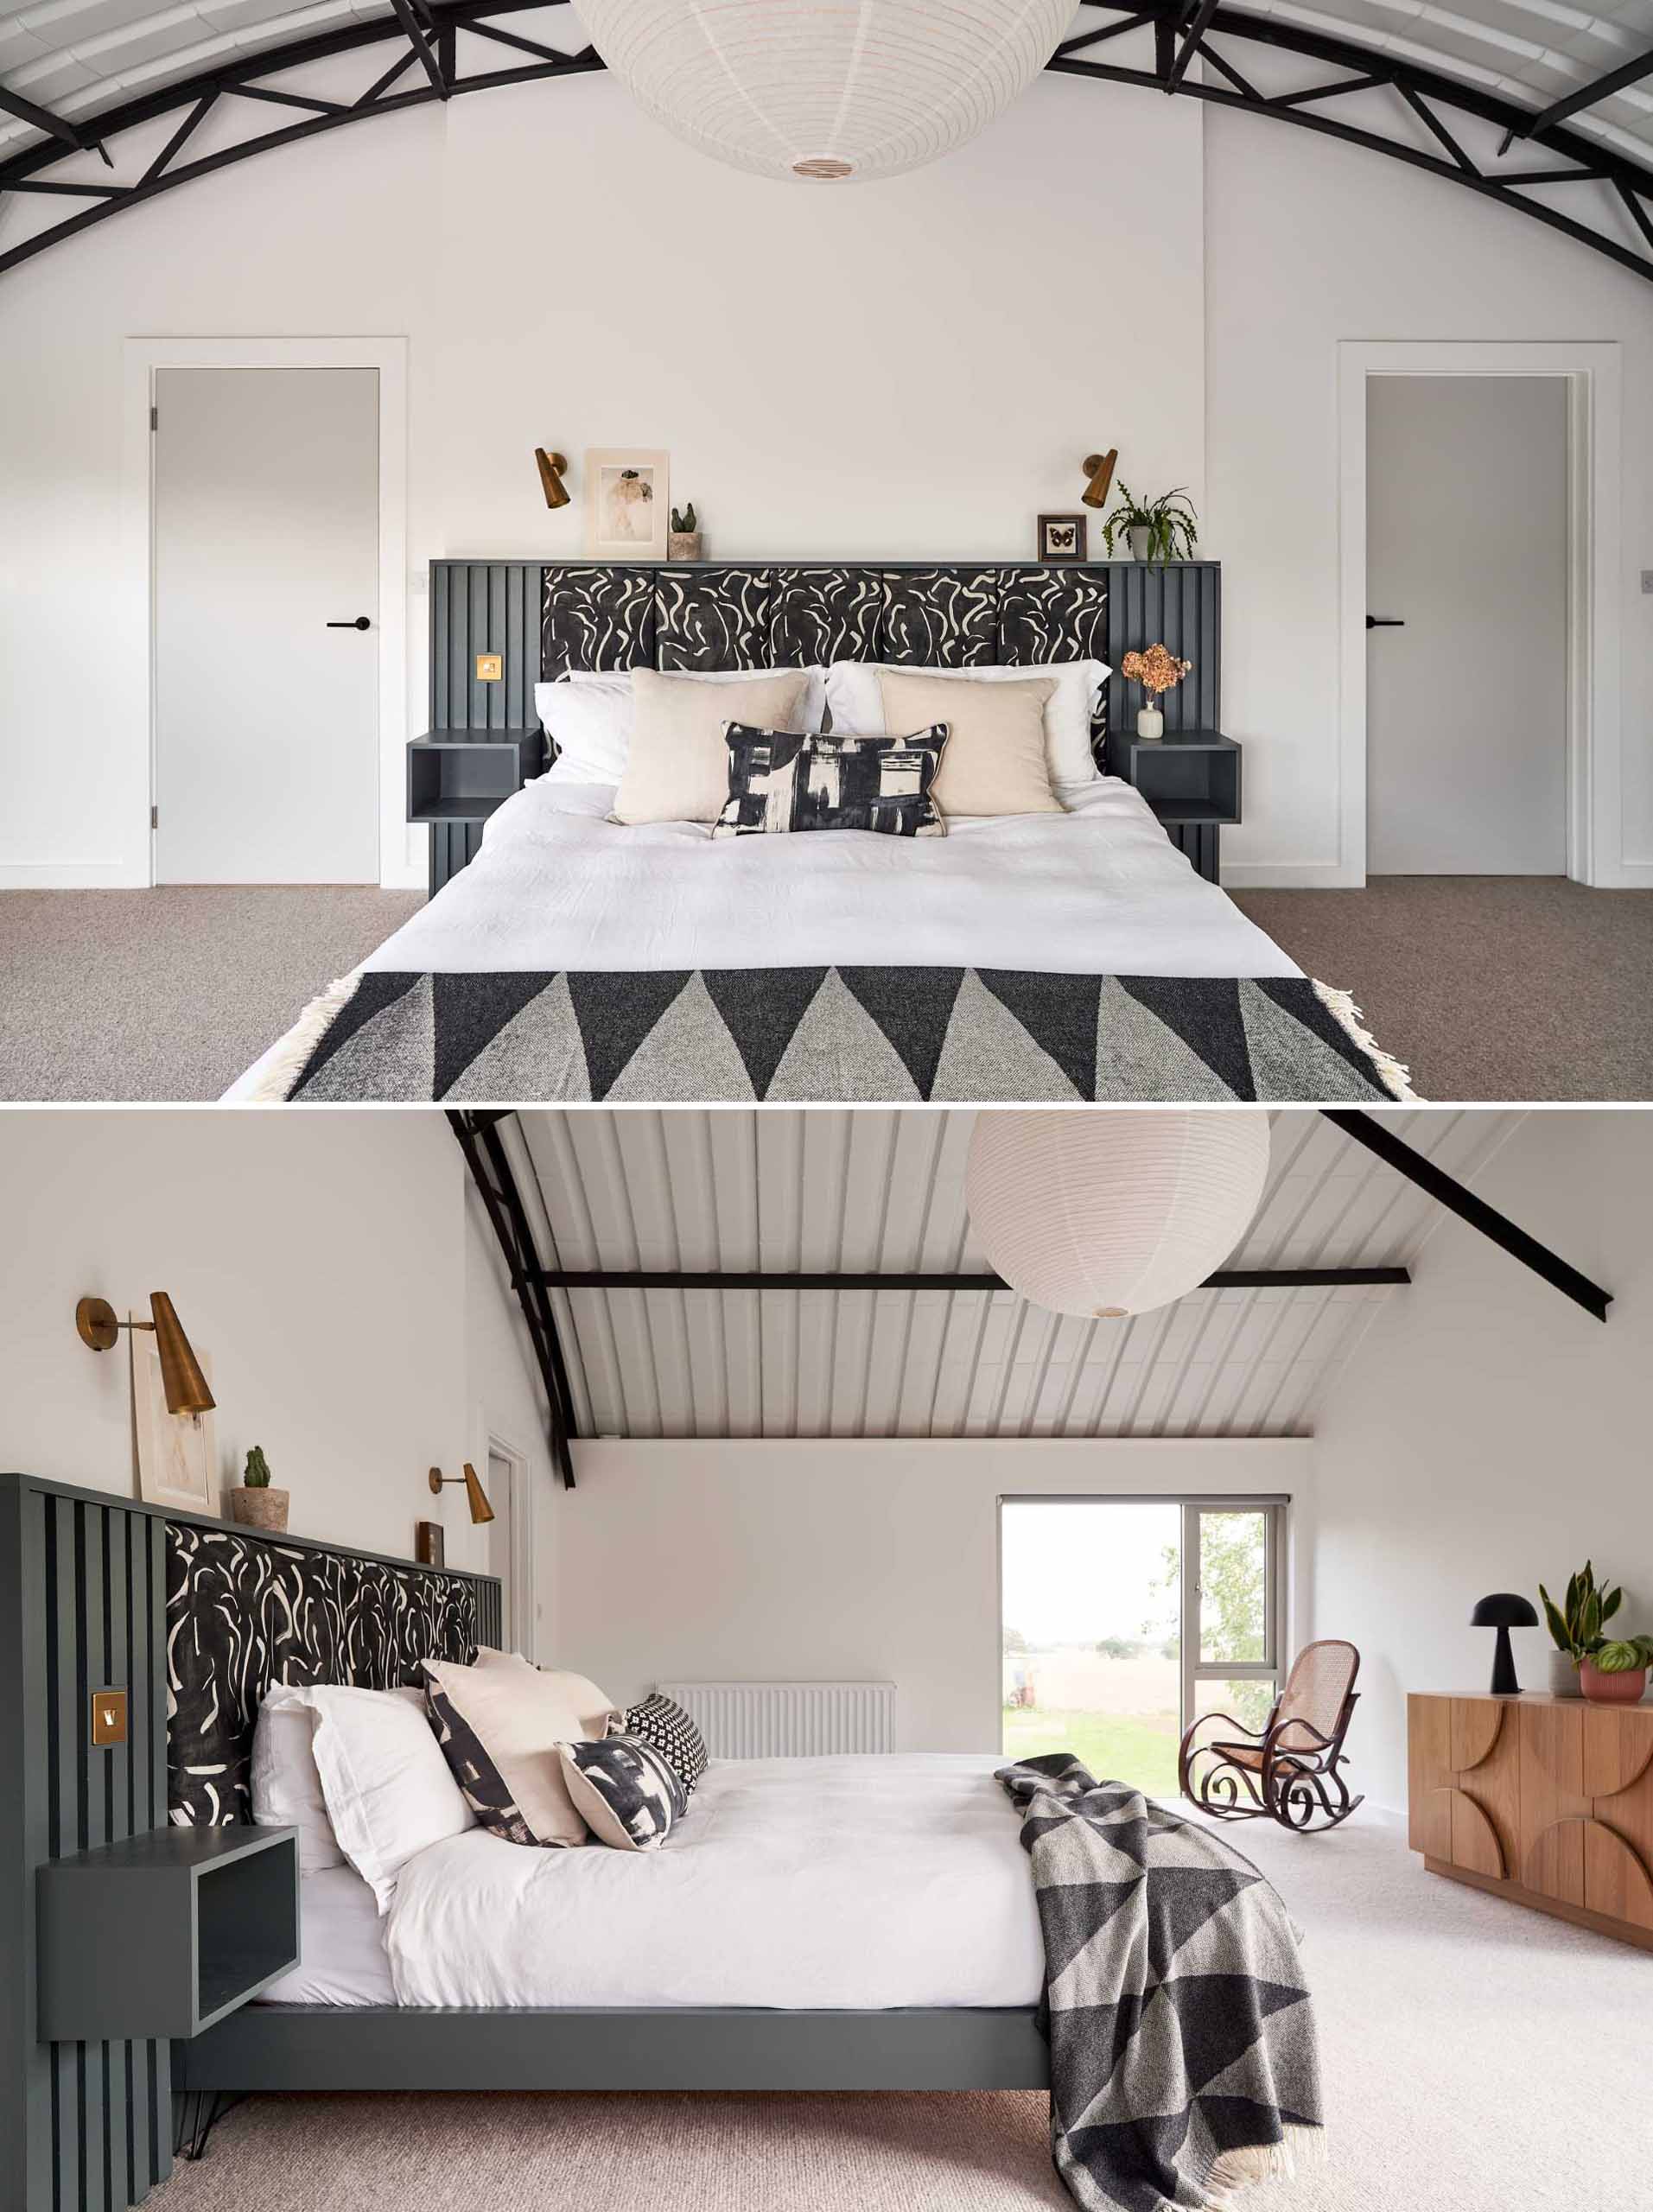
1386,622
360,622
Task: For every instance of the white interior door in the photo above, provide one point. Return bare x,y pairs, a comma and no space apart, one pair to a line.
266,538
1466,504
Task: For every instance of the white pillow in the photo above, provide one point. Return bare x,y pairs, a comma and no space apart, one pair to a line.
853,695
500,1724
588,716
387,1790
286,1787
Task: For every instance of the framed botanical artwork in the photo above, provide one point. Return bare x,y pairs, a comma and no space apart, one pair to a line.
628,510
1062,538
177,1453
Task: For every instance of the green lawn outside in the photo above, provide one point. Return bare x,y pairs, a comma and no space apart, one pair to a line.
1116,1747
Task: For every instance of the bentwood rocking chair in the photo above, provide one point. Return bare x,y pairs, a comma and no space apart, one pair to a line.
1290,1770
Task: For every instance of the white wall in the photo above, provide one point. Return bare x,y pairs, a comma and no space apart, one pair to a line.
844,1560
328,1264
1308,242
834,374
913,368
1488,1435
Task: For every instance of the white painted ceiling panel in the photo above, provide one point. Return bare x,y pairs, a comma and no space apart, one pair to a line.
873,1191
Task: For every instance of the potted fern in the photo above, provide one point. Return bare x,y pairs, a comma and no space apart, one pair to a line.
1165,528
254,1504
683,541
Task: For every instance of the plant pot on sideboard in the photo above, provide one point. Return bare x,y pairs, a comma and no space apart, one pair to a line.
260,1508
1627,1687
1563,1675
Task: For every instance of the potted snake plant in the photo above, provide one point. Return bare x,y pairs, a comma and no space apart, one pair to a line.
256,1504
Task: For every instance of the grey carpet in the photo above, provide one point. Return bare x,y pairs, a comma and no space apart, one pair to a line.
1499,987
1478,2058
171,992
1492,988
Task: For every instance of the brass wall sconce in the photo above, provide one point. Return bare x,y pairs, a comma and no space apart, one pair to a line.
551,466
475,1497
1099,471
181,1376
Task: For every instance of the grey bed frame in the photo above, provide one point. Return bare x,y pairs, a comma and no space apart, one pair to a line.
83,1605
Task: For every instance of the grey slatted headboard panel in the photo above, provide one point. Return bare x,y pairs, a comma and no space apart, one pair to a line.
544,617
87,2127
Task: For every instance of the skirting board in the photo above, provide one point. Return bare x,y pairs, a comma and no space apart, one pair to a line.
320,2047
1622,1931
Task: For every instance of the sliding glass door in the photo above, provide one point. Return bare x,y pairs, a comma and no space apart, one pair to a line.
1121,1619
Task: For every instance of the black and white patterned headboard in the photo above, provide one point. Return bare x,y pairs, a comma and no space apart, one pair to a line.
544,618
244,1611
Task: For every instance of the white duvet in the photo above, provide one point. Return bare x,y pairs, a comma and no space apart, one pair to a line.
855,1882
1098,889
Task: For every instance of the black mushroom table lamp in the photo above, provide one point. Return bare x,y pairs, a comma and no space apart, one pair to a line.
1503,1611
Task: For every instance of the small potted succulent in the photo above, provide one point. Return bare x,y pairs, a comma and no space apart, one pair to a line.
1158,671
254,1504
683,541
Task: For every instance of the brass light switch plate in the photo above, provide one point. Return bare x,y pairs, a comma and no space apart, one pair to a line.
490,668
108,1717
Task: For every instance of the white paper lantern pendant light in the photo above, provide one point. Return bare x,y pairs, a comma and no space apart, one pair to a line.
825,89
1110,1214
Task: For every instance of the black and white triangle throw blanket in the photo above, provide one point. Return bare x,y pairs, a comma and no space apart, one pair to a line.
883,1035
1183,2056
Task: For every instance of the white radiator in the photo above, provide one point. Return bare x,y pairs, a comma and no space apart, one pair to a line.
767,1720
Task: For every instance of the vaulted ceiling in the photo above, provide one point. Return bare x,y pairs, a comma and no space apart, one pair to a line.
830,1192
1545,106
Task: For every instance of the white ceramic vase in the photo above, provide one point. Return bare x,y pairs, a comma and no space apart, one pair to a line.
1563,1675
1150,723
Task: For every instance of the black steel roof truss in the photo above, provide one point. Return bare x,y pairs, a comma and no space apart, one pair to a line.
427,33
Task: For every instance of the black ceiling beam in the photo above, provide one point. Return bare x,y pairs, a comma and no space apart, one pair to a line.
416,27
438,22
1459,1199
1190,46
1590,95
478,1139
761,1278
47,119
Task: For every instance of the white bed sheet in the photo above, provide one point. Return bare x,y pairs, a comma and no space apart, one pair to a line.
343,1958
1098,889
851,1882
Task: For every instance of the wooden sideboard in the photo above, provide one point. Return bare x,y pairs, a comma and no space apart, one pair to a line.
1547,1801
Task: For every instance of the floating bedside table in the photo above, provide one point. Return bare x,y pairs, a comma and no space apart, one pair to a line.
457,778
165,1933
1190,778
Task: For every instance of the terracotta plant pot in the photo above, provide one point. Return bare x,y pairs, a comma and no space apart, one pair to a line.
682,545
1612,1689
259,1509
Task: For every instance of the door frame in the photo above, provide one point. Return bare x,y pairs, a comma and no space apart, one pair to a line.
143,357
1593,372
521,1591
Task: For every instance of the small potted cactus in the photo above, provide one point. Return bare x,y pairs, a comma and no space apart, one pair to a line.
682,542
256,1504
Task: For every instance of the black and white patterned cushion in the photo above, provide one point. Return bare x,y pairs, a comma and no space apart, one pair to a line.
624,1790
661,1722
779,780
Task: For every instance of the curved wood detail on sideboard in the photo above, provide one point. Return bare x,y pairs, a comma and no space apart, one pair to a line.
1477,1725
1616,1879
1460,1833
1617,1750
1553,1866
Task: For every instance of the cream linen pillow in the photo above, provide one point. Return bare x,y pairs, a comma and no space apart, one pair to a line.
994,762
677,769
499,1725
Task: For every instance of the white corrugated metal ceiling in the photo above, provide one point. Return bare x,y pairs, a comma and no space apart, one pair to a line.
76,57
826,1190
